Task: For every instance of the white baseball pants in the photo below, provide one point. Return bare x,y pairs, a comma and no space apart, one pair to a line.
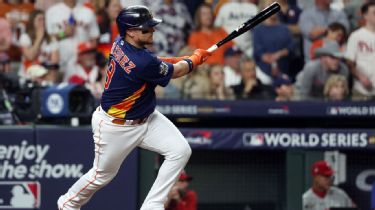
112,145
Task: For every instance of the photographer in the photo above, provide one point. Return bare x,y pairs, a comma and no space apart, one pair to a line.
181,197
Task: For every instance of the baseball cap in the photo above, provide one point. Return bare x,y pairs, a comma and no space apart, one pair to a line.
36,70
330,48
233,50
184,176
281,80
322,167
85,47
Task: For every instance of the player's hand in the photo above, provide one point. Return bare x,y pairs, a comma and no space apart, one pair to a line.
199,56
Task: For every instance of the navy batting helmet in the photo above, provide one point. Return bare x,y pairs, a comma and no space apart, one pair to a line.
135,17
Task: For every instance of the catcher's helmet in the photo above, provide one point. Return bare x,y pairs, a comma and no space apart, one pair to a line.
135,17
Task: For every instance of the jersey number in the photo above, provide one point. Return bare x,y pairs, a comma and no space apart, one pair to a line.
110,72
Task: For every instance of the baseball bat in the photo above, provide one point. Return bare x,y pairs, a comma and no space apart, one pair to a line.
249,24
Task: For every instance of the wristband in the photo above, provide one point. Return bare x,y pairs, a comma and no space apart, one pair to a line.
190,63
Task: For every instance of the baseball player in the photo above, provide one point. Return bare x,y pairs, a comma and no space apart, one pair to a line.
127,117
323,196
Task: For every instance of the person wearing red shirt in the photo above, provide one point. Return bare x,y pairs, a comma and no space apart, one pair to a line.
181,197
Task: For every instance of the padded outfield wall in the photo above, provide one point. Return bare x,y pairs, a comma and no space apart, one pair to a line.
242,159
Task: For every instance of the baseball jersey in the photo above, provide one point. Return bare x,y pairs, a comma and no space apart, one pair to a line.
360,49
335,197
233,14
59,16
132,75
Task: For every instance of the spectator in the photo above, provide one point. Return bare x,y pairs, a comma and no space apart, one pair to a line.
5,7
45,4
284,89
303,4
5,45
361,55
251,87
207,35
289,15
172,35
231,15
311,80
107,25
336,88
38,75
71,23
232,57
315,20
335,32
18,17
181,197
126,3
271,53
85,71
102,63
5,35
172,91
218,90
322,195
37,47
353,11
4,63
196,84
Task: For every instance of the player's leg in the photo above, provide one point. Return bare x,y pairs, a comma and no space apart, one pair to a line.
112,144
164,138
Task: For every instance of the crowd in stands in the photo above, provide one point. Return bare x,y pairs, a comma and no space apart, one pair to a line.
316,52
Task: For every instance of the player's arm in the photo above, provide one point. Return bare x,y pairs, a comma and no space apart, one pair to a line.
187,65
173,60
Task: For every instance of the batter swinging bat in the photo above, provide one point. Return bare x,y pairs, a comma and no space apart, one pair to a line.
249,24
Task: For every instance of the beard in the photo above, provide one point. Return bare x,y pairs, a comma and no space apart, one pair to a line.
145,43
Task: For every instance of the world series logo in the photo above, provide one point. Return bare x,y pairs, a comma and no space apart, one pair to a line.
20,194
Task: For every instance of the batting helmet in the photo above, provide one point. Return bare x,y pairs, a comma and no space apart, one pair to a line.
135,17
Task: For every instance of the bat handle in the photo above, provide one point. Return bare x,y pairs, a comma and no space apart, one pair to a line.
212,48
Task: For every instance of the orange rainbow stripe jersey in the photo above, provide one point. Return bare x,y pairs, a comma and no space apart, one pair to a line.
131,77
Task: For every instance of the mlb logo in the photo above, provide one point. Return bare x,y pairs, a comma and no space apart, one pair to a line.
333,111
20,194
253,139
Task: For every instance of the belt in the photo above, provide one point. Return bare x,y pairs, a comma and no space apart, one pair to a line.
126,122
129,122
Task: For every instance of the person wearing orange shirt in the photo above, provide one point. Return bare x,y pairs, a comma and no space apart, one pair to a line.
207,35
